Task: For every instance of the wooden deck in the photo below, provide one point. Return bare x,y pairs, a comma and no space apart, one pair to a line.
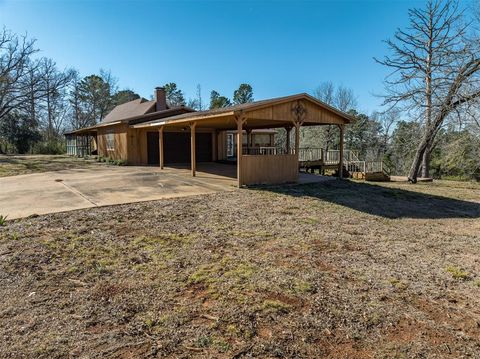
312,159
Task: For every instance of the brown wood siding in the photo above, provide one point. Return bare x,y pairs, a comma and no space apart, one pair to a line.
120,151
222,145
283,112
269,169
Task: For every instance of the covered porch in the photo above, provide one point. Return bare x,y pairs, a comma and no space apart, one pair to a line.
81,143
273,166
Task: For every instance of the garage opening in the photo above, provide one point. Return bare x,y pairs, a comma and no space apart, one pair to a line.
176,147
153,148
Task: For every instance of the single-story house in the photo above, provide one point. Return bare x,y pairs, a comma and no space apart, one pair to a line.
142,132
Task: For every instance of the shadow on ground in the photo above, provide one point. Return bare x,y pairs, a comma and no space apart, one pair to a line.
383,201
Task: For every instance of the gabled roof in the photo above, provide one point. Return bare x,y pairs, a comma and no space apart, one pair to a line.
133,112
129,109
218,112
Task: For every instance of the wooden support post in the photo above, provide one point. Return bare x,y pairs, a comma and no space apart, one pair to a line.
160,146
215,145
240,119
289,130
340,164
297,137
193,158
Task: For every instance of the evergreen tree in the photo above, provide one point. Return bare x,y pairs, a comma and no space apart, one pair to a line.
174,95
218,101
243,94
124,96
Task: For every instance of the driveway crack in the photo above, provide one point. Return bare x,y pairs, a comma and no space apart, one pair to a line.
79,193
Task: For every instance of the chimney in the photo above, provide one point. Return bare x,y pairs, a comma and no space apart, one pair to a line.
160,98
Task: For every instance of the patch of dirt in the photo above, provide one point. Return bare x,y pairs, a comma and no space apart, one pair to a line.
341,269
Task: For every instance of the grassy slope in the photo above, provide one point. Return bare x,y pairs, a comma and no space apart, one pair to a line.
340,269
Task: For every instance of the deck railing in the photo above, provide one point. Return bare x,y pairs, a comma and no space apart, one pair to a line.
367,167
350,159
328,157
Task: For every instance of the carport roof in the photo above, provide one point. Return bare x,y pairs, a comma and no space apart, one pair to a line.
231,111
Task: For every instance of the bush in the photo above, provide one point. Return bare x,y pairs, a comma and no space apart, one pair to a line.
111,161
49,148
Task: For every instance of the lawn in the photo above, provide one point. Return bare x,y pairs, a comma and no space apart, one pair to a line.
25,164
340,269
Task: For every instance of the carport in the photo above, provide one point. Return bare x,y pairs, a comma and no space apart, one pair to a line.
278,165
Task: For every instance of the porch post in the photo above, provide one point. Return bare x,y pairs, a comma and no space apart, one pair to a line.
297,137
160,144
289,130
340,164
193,152
240,119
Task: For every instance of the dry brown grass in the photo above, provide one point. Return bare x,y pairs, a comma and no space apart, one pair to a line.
25,164
334,270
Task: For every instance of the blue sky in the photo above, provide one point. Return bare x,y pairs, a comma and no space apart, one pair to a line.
279,47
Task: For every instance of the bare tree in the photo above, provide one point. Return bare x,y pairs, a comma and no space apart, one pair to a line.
197,102
15,52
387,121
340,97
434,72
53,87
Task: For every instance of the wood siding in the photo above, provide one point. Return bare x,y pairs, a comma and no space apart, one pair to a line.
121,148
269,169
283,112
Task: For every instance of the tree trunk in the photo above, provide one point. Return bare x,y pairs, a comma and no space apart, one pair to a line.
424,149
417,161
426,164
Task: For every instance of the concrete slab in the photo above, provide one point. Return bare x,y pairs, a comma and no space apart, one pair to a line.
49,192
66,190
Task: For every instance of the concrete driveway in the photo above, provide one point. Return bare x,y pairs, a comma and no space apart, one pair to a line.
66,190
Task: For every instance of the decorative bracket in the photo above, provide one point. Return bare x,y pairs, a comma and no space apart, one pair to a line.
240,117
299,113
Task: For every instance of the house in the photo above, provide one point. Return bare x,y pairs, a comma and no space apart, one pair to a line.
142,132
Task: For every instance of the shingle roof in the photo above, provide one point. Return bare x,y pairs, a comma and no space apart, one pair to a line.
129,109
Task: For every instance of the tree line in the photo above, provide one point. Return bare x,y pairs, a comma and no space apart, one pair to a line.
39,101
392,137
430,124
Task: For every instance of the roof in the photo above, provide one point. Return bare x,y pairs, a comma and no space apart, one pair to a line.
246,106
138,113
135,112
133,108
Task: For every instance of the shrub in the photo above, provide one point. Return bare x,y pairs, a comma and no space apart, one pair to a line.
49,148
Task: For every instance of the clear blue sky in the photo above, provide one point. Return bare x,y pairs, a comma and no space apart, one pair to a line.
279,47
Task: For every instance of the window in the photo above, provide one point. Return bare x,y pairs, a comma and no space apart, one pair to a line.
110,140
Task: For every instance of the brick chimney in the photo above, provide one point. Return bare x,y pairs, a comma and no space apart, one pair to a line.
160,98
